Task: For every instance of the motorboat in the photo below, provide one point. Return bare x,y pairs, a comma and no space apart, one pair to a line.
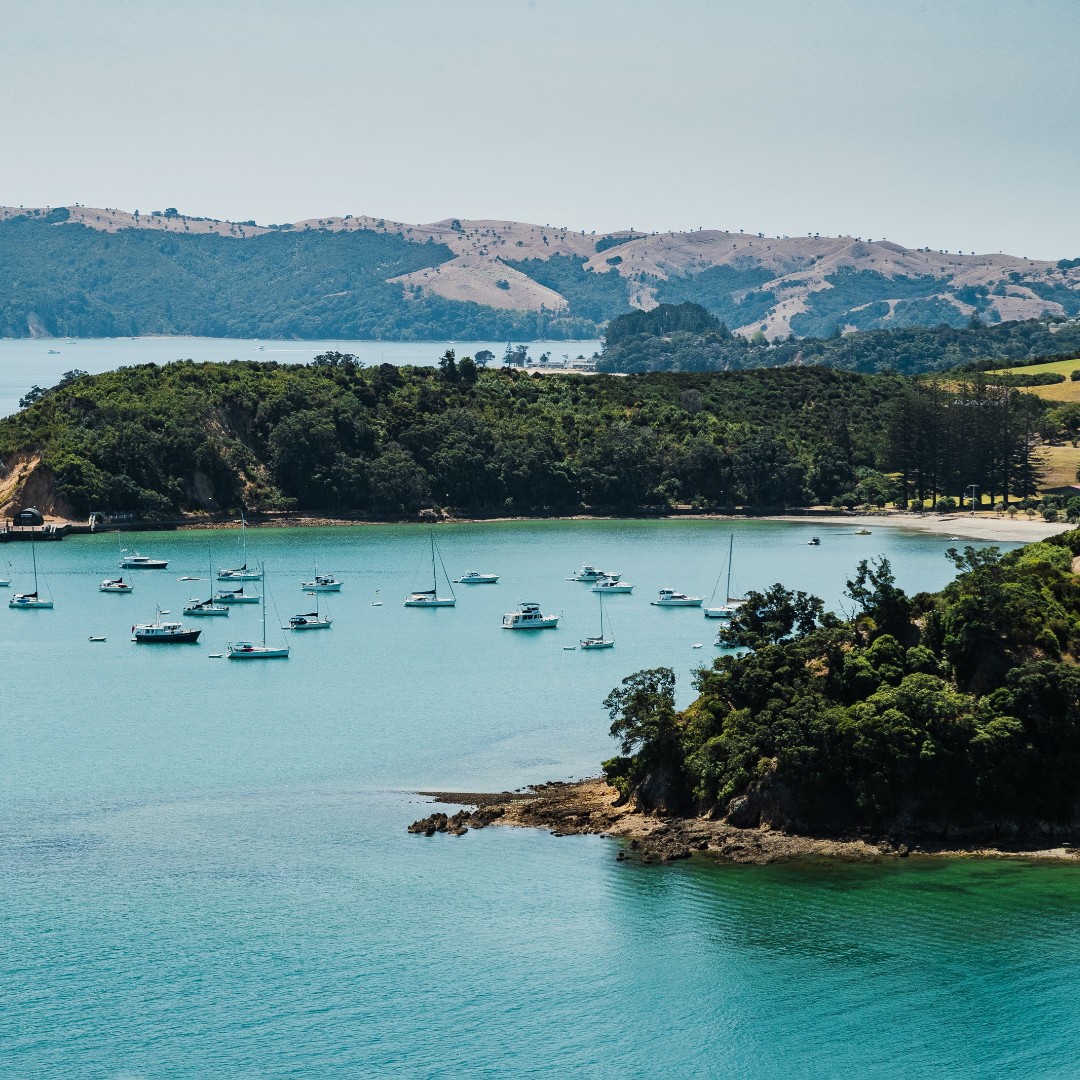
471,577
610,585
814,541
592,573
529,617
671,598
235,596
862,532
430,597
134,561
253,650
599,641
117,585
243,572
322,583
159,632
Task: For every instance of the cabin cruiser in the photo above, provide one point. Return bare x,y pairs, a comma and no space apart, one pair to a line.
608,585
135,561
322,583
591,573
115,585
163,633
671,598
529,617
471,577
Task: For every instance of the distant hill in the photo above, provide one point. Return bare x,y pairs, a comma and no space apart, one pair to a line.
83,271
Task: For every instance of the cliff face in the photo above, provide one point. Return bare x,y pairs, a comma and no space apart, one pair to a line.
24,482
807,286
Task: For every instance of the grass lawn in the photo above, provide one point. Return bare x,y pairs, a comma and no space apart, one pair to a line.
1062,463
1066,391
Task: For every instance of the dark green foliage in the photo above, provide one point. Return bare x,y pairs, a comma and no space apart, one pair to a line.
974,723
728,292
661,321
74,280
591,295
635,344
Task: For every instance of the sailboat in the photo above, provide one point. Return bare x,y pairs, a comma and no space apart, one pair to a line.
321,583
207,607
242,572
251,650
430,597
311,621
31,600
116,585
599,642
5,582
235,596
731,604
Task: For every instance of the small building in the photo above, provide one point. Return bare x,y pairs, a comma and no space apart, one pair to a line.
28,518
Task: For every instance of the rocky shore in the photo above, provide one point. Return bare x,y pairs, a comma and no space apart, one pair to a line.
589,807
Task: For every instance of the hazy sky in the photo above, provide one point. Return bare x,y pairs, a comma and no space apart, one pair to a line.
947,124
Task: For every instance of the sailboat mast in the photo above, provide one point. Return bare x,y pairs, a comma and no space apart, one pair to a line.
434,576
33,555
601,595
264,607
727,588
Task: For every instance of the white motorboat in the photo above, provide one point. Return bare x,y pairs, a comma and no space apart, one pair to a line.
599,641
731,603
116,585
254,650
529,617
243,572
31,601
612,585
159,632
321,583
671,598
235,596
430,597
134,561
471,577
591,573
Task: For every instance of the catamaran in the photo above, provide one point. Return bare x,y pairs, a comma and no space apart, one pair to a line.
599,641
242,572
430,597
731,604
252,650
30,601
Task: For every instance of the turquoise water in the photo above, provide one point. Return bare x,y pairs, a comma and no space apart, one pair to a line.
204,869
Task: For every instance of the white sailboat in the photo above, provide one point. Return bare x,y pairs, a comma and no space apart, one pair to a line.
243,572
430,597
599,642
235,596
31,601
5,582
312,620
731,604
253,650
116,585
207,608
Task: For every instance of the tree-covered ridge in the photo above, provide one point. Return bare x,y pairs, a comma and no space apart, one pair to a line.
686,337
925,714
346,440
70,280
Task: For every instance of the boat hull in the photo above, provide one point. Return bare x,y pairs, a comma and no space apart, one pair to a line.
236,599
613,589
206,612
29,605
185,637
245,651
677,603
147,564
310,586
719,613
478,579
315,624
597,643
238,575
438,602
533,624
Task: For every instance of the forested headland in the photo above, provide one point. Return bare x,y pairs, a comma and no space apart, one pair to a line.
943,715
336,438
687,337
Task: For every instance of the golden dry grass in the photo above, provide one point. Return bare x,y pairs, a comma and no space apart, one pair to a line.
1062,463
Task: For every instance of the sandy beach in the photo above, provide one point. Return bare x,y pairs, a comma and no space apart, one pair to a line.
965,526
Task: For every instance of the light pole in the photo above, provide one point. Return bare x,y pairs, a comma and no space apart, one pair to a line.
973,488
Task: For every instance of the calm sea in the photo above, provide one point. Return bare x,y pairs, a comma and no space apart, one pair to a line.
26,362
204,869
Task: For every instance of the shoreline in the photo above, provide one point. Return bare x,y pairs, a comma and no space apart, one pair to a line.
587,807
965,526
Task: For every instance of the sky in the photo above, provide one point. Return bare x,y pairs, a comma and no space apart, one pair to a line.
946,123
